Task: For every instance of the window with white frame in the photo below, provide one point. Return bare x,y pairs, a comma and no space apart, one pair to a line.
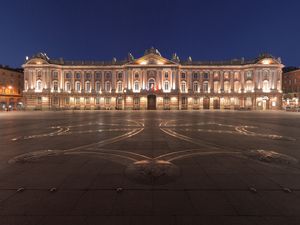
216,86
107,86
151,84
195,87
55,86
237,86
39,85
78,86
226,86
249,86
97,86
183,87
166,85
87,86
136,86
266,87
205,87
119,87
67,86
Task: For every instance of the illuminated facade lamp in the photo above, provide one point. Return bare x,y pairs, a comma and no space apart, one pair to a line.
266,62
143,62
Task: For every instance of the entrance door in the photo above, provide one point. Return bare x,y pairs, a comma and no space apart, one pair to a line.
216,104
206,103
151,102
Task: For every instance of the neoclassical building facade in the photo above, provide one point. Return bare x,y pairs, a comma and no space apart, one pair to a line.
153,82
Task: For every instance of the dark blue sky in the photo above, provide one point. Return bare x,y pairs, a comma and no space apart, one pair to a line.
100,30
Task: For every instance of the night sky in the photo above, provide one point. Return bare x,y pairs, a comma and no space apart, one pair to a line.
101,30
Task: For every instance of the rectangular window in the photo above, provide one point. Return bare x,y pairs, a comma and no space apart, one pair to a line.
107,101
97,100
183,76
77,100
166,75
98,75
67,100
77,75
87,100
120,75
205,75
195,76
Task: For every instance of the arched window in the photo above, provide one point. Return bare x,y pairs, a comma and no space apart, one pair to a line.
266,87
166,86
107,86
67,86
78,86
136,86
237,86
195,87
119,87
97,86
39,85
205,86
227,87
216,86
88,86
249,86
183,87
151,84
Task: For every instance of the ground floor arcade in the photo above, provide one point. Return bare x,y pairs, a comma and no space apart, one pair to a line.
152,101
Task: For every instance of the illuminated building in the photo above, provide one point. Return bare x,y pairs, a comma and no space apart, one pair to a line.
153,82
11,86
291,88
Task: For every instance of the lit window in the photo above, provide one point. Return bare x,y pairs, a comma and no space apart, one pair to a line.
136,86
195,87
166,85
183,87
205,87
88,86
107,86
216,86
107,101
68,86
266,86
226,87
119,87
55,86
98,86
39,85
151,84
78,86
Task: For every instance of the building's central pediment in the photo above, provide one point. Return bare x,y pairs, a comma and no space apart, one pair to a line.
152,59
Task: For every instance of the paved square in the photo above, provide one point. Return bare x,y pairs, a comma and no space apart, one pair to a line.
149,167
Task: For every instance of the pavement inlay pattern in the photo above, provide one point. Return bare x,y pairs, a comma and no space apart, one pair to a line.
152,167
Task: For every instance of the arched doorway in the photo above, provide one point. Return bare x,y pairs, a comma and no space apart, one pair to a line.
206,103
216,103
151,102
